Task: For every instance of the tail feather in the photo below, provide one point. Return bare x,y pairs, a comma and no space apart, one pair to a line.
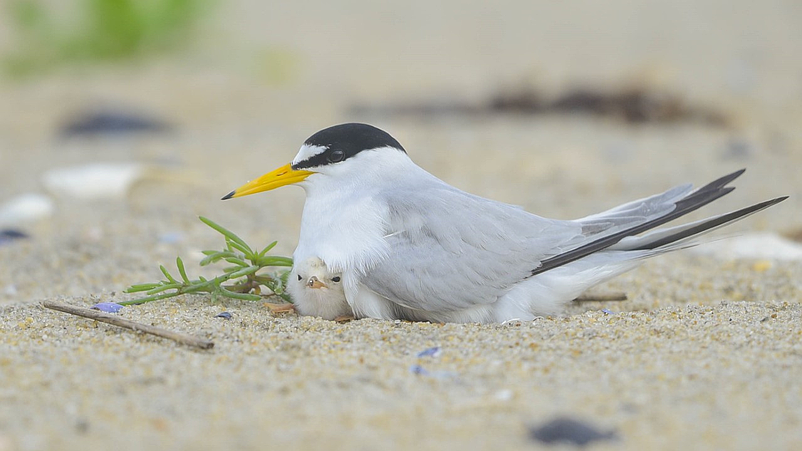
682,233
691,202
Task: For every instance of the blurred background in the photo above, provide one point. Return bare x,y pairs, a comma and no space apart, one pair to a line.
121,121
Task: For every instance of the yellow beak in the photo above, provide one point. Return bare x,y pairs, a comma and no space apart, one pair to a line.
284,175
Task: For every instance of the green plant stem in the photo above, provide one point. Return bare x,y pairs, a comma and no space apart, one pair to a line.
244,264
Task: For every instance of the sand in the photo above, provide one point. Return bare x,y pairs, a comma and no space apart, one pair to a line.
704,354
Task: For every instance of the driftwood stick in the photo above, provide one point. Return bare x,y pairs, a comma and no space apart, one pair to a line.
602,297
128,324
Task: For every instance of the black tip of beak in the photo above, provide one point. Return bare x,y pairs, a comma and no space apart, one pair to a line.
229,195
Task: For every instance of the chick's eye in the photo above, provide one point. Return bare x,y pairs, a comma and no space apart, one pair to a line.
335,279
299,277
336,156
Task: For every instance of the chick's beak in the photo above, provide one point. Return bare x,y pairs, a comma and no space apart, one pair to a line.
314,282
284,175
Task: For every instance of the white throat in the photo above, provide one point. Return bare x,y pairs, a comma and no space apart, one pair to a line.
343,222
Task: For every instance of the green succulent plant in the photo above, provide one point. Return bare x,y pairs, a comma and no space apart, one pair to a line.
242,279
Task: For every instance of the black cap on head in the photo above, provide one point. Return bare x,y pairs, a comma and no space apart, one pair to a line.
344,141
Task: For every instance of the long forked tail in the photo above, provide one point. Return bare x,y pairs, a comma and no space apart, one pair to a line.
626,239
675,236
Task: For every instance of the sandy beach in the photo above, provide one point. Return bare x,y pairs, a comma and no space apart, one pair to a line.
705,353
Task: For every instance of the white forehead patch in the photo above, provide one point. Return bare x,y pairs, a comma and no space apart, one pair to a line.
307,152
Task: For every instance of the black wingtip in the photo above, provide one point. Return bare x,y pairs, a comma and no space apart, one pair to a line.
728,178
713,223
776,200
229,195
766,204
721,182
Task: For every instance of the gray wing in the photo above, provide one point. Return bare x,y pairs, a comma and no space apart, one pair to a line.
451,250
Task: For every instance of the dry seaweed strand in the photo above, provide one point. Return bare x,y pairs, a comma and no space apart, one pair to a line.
178,337
602,297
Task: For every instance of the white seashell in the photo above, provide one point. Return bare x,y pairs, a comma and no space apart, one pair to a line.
94,181
764,245
25,208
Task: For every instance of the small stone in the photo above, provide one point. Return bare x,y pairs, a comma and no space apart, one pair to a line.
9,235
94,181
431,352
568,430
112,123
108,307
25,208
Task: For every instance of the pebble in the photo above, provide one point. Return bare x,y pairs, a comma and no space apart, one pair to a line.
9,235
431,352
108,307
25,208
569,430
112,122
94,181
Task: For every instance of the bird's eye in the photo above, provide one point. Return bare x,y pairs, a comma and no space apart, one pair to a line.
336,156
299,277
335,279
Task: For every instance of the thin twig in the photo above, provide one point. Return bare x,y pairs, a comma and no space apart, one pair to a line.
128,324
602,297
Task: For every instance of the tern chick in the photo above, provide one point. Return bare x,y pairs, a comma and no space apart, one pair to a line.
317,291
